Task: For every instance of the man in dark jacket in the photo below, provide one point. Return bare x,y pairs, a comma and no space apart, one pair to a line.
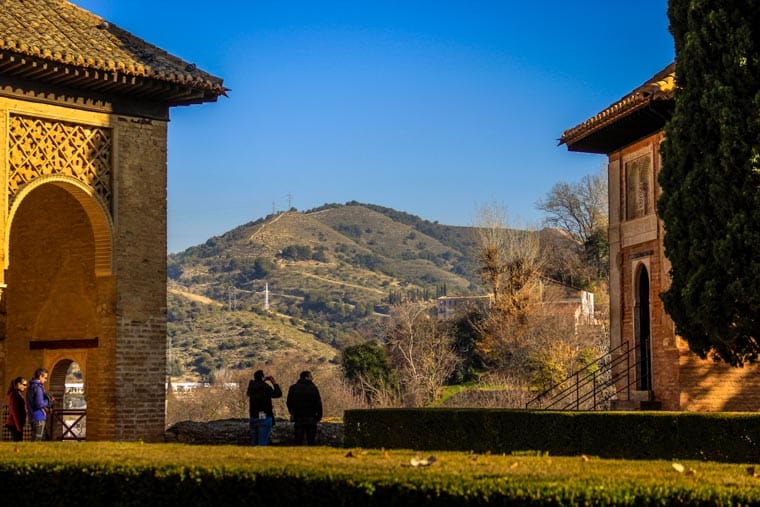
305,407
261,412
38,404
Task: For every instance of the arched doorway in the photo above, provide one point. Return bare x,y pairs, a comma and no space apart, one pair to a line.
66,384
60,295
642,332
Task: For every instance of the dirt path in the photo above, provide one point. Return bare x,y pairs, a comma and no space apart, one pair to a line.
195,297
265,225
336,282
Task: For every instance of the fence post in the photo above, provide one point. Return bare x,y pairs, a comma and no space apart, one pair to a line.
628,369
577,393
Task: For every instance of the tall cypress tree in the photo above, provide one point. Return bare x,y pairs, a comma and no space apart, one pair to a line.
710,179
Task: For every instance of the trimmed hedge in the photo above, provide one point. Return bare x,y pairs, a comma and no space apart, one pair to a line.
131,474
728,437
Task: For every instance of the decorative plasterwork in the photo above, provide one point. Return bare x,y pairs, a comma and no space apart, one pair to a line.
41,147
639,231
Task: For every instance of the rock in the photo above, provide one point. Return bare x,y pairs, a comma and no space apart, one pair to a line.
236,432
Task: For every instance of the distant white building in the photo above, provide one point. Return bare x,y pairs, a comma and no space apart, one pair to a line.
556,297
448,306
564,298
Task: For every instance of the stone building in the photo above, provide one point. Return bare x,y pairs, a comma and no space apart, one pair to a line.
664,373
84,110
447,307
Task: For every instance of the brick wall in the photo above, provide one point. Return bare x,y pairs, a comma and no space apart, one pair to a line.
707,386
140,268
681,380
79,267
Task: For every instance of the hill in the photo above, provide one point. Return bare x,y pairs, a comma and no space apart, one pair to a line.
325,275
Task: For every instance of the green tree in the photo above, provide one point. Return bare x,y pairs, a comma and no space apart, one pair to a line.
366,367
710,179
296,252
173,269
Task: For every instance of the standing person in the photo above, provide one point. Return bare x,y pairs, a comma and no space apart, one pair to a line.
16,409
261,412
38,403
305,407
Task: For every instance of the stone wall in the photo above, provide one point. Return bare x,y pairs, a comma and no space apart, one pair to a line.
237,432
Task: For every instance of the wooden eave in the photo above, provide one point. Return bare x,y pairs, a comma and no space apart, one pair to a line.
624,129
172,89
637,115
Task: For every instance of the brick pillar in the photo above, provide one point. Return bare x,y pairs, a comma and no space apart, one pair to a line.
140,270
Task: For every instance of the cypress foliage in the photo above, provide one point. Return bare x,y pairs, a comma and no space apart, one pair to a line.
710,179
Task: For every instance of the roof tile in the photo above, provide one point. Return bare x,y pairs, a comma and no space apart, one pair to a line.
660,87
59,31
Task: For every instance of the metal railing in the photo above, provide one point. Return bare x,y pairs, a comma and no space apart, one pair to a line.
69,424
593,386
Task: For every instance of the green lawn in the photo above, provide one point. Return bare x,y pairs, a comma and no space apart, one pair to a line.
369,476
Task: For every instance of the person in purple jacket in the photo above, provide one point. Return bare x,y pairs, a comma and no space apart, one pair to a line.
38,403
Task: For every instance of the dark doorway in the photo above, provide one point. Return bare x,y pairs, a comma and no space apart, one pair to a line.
643,334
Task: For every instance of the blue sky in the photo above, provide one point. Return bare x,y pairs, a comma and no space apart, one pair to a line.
435,108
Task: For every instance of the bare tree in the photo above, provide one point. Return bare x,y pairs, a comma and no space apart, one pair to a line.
521,335
226,396
511,259
578,208
421,349
377,393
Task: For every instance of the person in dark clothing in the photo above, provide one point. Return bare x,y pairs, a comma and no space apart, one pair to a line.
38,403
305,407
17,409
261,412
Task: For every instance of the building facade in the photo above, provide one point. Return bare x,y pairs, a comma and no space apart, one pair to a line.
84,109
664,373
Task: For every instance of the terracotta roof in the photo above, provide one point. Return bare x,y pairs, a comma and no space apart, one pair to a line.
659,88
56,41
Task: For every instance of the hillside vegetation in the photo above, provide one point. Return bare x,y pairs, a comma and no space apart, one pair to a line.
311,282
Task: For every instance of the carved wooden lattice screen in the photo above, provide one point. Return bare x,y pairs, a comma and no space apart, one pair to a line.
41,147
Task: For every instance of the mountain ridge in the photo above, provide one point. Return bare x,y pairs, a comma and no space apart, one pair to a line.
330,272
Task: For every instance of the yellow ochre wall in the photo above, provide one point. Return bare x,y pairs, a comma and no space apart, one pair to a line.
83,229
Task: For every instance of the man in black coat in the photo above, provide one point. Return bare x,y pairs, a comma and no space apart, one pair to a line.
305,407
261,412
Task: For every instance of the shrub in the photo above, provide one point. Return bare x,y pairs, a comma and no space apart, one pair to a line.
731,437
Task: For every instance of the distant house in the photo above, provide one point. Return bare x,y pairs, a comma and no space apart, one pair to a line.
666,373
555,297
448,306
560,298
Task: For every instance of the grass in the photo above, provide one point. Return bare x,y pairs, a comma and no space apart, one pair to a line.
473,477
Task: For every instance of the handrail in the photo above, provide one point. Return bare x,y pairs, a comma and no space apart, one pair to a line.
581,388
575,375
